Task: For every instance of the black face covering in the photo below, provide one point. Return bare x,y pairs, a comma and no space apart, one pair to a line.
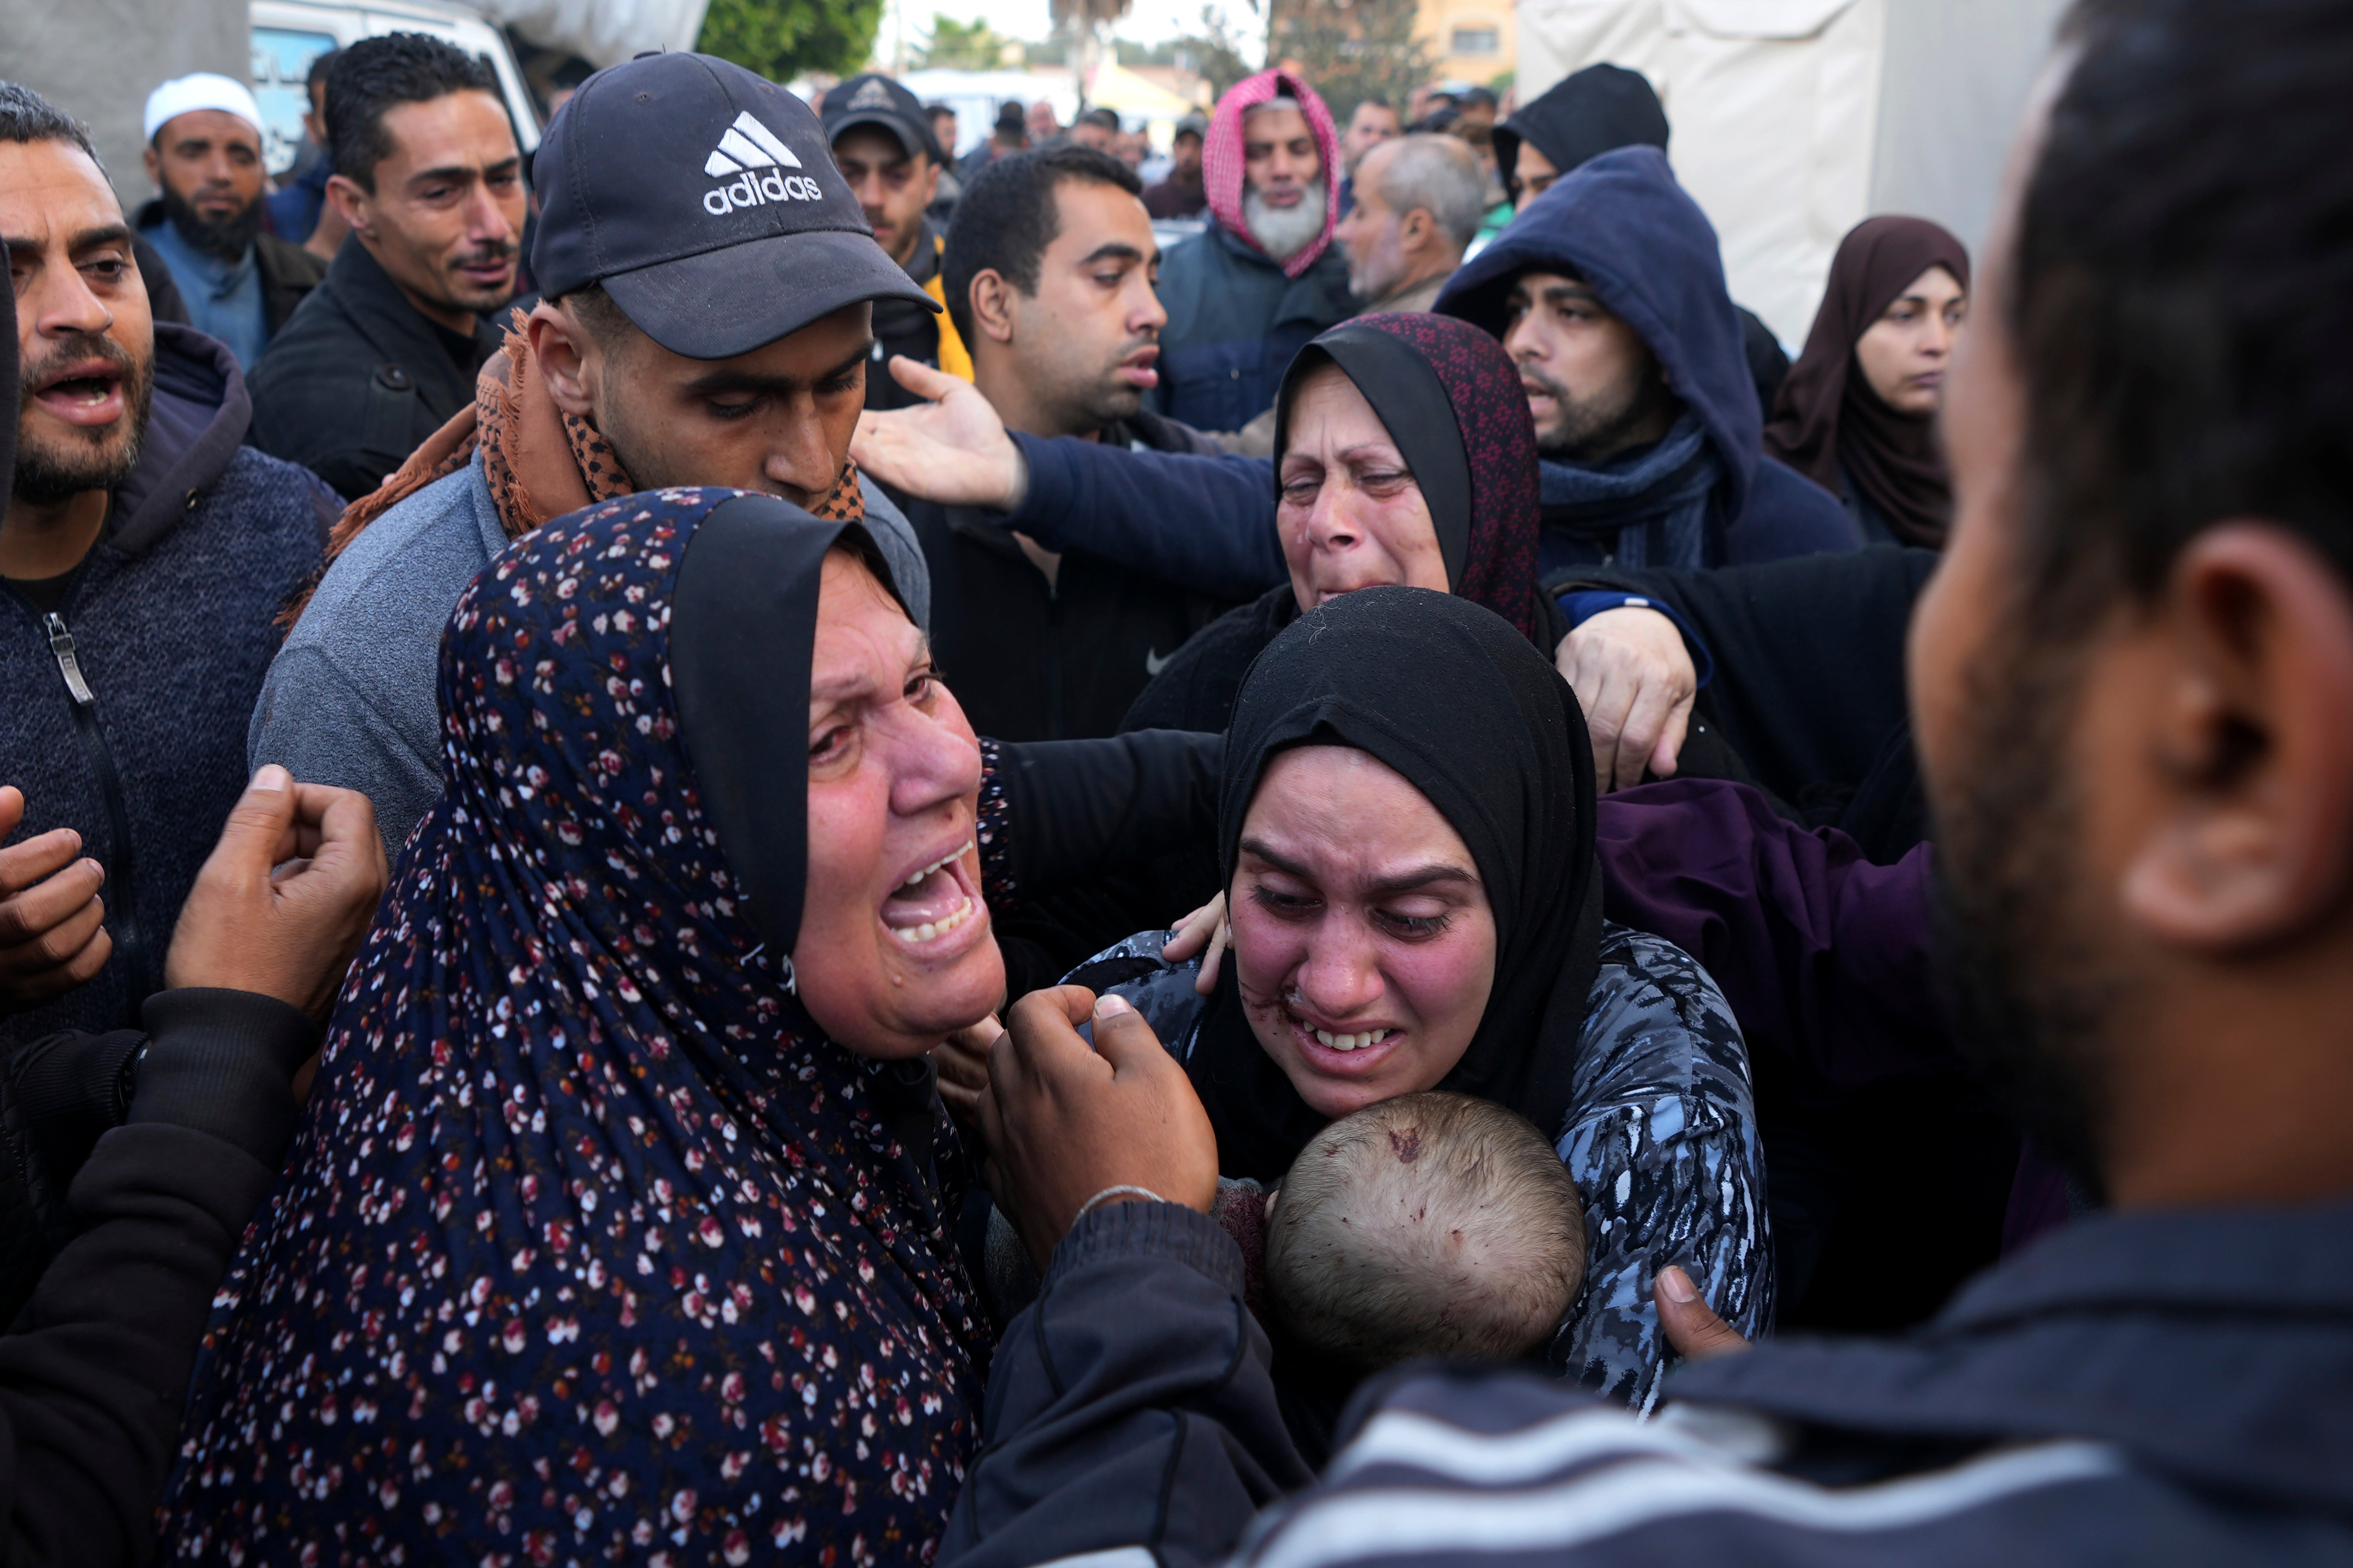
1463,706
743,637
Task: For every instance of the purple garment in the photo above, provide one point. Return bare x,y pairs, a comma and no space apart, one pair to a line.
1825,957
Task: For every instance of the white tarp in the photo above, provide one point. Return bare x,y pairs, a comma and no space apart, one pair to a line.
602,32
1794,119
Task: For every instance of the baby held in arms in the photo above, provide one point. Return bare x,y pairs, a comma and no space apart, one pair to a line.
1431,1224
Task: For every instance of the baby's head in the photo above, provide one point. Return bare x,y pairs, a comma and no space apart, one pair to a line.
1429,1225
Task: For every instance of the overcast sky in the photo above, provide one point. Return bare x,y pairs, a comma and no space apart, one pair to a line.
1149,22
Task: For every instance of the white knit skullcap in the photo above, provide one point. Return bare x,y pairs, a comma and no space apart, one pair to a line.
204,90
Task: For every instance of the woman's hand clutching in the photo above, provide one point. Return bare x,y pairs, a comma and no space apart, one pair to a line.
1207,925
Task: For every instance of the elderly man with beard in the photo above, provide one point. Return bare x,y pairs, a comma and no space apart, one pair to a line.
239,283
1248,293
145,551
2131,679
385,351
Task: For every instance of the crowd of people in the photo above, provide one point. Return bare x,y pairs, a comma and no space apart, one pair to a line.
1433,907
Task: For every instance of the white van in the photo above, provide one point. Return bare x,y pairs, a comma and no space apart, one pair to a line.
287,34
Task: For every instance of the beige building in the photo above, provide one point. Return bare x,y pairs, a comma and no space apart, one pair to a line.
1469,41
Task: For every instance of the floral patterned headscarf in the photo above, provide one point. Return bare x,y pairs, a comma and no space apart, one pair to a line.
591,1244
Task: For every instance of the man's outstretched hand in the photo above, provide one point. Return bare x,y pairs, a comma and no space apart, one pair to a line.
952,450
1634,678
280,905
1064,1122
51,936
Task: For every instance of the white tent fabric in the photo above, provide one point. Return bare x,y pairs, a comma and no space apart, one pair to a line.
1794,119
1773,103
602,32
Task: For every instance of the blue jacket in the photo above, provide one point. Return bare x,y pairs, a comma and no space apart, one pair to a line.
1234,322
2170,1387
1621,224
169,624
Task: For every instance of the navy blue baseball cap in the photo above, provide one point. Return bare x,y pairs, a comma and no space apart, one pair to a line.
704,198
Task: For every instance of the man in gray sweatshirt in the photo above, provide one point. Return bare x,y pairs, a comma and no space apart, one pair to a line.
708,284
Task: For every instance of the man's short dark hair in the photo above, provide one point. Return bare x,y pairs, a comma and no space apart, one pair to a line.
2183,296
320,66
374,76
26,117
1107,119
1007,218
1372,100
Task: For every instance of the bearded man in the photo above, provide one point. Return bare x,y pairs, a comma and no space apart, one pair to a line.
239,282
1246,295
143,554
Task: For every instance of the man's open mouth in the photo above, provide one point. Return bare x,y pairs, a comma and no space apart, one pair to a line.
88,393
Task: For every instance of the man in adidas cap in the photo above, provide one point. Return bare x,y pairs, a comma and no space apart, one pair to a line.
883,144
708,283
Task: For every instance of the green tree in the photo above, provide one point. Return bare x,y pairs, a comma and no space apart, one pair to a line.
1350,50
964,46
783,38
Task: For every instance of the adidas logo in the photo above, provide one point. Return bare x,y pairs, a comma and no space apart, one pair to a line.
747,149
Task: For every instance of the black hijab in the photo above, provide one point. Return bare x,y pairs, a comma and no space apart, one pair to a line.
1451,398
1828,424
1468,710
741,643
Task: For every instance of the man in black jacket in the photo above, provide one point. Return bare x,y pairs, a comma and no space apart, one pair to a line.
2130,678
238,281
143,554
1048,273
385,351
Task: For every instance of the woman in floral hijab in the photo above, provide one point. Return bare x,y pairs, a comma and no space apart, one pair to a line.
595,1242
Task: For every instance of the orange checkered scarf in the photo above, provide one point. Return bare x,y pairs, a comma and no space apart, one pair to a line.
533,477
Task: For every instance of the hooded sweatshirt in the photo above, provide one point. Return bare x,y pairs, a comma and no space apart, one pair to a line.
1236,315
1704,495
1597,110
131,680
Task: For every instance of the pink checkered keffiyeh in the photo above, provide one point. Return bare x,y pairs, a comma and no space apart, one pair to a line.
1221,157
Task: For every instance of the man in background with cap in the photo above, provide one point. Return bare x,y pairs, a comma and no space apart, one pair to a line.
708,284
429,179
239,282
882,144
1182,195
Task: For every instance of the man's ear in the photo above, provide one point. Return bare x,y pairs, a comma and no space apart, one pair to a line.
931,183
1415,229
154,162
992,305
569,359
351,204
2254,737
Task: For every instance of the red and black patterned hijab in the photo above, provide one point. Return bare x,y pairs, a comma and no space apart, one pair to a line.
1450,399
